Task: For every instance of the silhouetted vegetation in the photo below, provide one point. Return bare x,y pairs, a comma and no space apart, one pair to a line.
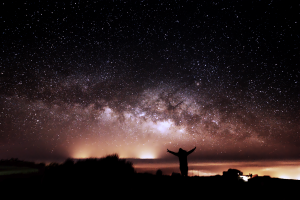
232,175
89,170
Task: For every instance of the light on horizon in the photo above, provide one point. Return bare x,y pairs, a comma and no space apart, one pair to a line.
147,156
81,155
244,177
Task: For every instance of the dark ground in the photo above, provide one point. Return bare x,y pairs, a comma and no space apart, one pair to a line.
146,185
113,178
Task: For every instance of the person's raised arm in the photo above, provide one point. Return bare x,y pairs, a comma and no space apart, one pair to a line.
172,152
191,151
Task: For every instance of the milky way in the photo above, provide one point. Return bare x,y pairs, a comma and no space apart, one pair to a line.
84,78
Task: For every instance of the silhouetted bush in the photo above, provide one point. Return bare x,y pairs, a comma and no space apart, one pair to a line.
158,172
232,173
108,166
88,170
53,164
69,162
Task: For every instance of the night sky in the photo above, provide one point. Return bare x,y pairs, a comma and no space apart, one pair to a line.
91,78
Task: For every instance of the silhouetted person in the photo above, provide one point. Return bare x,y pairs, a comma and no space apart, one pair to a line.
182,155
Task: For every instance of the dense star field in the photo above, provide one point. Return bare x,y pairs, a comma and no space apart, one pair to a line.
91,78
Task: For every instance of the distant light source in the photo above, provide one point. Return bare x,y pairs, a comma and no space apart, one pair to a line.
245,178
284,177
147,156
81,155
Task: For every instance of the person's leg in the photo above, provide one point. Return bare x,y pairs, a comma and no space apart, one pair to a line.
184,171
